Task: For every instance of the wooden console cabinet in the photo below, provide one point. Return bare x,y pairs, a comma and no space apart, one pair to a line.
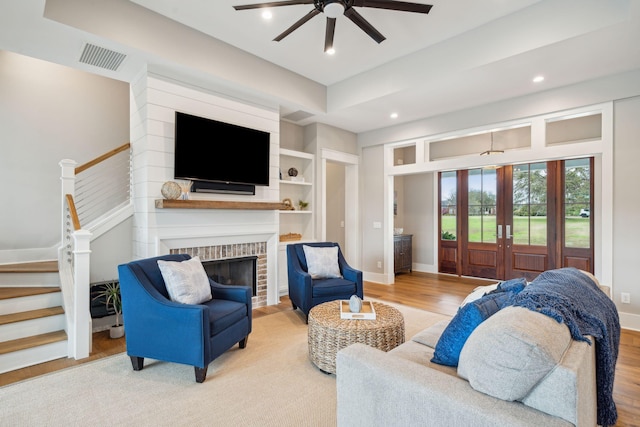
403,256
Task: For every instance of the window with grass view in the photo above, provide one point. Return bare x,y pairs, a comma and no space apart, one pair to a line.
482,205
530,204
577,203
448,205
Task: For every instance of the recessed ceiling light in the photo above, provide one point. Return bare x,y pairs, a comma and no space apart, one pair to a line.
394,115
538,79
331,51
266,14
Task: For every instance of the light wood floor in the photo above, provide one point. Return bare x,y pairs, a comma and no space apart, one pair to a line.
436,293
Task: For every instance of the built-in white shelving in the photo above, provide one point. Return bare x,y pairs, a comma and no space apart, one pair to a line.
294,189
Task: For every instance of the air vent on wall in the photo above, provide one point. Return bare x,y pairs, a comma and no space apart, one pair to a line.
101,57
296,116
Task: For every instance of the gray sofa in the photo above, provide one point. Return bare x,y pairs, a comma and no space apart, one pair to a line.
554,384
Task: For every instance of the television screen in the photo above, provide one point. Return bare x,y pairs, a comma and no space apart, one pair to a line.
209,150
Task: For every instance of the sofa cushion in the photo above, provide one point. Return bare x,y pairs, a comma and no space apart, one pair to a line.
322,262
431,335
447,351
186,281
509,353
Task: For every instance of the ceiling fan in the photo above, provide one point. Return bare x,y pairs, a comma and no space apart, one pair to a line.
333,8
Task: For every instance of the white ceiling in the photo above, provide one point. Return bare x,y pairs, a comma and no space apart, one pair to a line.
464,53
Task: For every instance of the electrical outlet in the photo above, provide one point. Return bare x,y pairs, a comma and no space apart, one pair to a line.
379,264
625,297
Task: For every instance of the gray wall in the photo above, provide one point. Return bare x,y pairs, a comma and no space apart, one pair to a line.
626,202
335,203
418,216
372,183
48,113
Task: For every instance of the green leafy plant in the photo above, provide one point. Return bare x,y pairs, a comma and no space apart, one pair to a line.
112,298
448,236
302,204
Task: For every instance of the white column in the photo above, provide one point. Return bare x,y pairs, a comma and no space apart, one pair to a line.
81,311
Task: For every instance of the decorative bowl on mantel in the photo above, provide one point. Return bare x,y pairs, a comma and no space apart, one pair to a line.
171,190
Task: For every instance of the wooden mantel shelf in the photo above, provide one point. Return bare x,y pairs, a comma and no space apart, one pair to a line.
218,204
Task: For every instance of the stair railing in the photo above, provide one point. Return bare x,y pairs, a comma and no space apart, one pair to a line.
89,193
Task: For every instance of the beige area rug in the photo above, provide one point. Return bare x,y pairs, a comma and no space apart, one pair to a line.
269,383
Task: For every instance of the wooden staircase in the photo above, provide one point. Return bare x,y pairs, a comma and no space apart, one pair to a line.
32,320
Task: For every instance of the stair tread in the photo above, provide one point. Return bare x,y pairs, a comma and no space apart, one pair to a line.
30,267
30,315
25,291
30,342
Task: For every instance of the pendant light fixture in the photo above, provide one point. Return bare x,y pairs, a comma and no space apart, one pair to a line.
491,151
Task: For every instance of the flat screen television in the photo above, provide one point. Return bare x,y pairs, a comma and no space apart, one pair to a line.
217,152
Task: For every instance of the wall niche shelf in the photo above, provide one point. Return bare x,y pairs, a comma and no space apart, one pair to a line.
218,204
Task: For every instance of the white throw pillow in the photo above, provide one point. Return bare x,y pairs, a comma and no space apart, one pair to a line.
186,281
322,262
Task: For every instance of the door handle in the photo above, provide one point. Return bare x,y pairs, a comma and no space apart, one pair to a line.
508,232
499,231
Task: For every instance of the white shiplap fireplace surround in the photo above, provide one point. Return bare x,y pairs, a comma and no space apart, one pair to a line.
208,233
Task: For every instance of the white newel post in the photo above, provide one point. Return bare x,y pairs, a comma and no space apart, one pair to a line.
82,312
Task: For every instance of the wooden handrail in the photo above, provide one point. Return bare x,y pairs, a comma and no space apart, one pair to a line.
102,158
73,212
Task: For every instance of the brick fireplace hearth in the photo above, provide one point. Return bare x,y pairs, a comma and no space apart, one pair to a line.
236,250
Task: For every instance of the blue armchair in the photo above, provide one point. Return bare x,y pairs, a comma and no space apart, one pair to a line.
306,292
161,329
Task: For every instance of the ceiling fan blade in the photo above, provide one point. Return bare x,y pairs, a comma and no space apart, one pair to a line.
272,4
328,37
297,25
402,6
364,25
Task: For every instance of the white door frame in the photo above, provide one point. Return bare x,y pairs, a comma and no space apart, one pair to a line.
351,250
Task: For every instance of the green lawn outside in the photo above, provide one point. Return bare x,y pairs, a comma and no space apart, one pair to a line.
524,228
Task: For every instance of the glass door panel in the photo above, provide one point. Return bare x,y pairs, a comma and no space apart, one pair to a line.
530,204
448,251
481,195
448,205
577,203
577,221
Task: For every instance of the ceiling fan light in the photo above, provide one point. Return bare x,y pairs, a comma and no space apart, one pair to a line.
333,10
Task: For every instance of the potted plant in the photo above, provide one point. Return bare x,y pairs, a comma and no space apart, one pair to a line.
112,298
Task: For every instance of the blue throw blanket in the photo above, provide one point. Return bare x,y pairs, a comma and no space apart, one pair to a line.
571,297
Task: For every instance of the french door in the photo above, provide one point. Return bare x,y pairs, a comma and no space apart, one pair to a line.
516,221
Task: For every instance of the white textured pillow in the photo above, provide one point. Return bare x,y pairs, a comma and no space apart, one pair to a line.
186,281
322,262
508,354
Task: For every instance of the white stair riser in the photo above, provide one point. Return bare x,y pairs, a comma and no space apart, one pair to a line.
32,302
32,356
28,328
30,279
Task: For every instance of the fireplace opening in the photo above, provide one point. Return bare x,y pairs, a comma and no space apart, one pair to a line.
233,271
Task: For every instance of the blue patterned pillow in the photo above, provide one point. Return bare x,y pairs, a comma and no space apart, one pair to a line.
449,346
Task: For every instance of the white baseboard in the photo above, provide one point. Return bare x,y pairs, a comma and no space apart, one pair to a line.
629,321
375,277
425,268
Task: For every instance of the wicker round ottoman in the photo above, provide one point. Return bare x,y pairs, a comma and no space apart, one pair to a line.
328,333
